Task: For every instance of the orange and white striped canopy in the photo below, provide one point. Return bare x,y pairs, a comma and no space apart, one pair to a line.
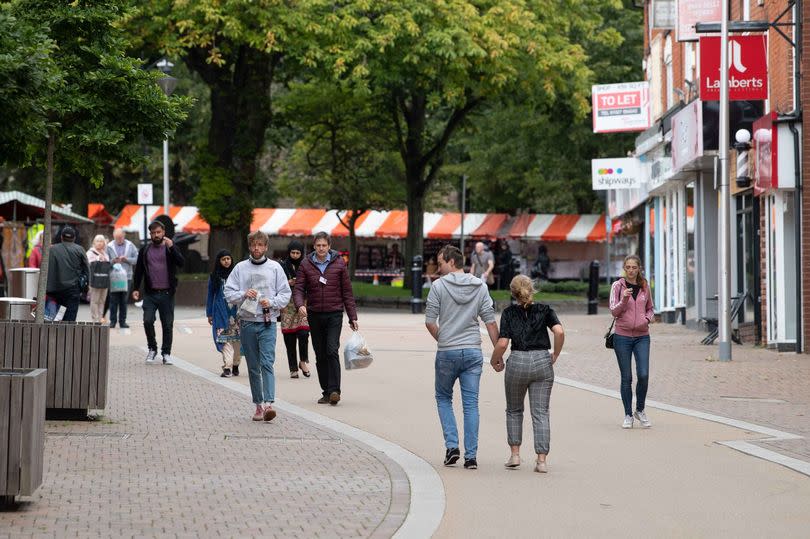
387,224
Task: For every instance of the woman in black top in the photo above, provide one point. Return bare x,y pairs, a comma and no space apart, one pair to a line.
529,367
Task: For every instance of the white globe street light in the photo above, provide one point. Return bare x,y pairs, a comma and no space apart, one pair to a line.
168,84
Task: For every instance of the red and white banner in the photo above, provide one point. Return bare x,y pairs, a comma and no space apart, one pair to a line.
387,224
747,68
621,107
695,11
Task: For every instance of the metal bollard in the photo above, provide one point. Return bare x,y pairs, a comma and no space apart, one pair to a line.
416,285
593,288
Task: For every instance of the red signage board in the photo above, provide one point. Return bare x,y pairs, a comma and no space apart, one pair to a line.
747,68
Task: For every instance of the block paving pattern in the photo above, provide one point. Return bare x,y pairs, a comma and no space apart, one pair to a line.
685,373
177,456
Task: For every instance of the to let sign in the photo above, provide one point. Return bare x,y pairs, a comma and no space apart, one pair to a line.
747,68
621,107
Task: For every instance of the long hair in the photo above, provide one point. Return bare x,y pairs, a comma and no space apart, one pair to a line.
641,280
522,289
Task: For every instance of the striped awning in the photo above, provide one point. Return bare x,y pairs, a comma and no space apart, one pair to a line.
388,224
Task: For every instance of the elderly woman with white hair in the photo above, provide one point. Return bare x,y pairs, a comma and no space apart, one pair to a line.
97,256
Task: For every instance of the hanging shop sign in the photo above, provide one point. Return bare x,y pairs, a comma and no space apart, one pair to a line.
621,107
774,154
618,173
695,11
747,69
687,135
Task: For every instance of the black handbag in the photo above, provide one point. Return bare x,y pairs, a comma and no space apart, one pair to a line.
100,274
609,336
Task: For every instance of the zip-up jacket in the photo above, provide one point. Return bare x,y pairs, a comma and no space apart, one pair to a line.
174,260
633,316
335,295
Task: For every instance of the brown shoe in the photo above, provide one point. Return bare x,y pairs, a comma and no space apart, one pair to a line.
323,400
334,398
269,414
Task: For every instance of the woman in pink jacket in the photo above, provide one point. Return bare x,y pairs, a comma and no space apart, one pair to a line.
632,307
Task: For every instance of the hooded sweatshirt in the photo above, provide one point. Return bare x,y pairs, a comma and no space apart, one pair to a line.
456,301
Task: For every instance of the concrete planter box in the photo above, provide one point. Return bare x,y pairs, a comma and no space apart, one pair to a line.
75,354
22,431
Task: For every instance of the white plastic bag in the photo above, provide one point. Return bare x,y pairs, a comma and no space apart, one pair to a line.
356,354
118,279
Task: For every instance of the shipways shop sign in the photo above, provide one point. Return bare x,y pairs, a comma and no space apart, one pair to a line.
617,173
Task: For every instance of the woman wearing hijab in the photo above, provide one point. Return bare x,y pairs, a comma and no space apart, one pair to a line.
295,326
222,316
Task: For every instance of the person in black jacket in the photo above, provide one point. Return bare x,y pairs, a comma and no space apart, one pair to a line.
67,273
157,265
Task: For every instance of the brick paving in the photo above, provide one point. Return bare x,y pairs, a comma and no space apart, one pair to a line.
176,456
685,373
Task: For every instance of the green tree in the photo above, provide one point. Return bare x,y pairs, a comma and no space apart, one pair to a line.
536,157
343,158
240,49
435,64
101,103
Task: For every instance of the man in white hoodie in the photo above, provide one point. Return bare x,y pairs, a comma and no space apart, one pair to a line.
454,305
258,285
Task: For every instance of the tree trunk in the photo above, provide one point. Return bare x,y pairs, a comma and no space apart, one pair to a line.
79,194
353,241
414,241
46,234
240,115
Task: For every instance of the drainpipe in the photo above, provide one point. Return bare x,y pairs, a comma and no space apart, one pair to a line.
797,225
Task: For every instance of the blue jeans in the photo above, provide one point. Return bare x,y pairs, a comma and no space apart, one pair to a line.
626,348
464,365
258,342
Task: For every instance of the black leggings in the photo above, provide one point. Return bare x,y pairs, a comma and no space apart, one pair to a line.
302,338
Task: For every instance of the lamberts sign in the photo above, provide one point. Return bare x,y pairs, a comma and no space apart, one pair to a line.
747,68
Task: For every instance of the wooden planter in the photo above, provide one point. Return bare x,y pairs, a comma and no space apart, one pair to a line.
22,431
76,355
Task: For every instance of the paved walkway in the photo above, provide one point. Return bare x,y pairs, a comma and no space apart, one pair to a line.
674,480
176,456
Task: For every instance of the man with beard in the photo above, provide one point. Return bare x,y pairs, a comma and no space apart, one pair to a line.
156,266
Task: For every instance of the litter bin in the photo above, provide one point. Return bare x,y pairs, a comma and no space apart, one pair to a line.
17,308
22,282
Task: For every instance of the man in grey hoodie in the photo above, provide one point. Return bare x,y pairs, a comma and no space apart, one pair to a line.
454,305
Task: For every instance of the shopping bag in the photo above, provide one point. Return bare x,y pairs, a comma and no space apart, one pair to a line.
100,274
250,308
118,279
356,354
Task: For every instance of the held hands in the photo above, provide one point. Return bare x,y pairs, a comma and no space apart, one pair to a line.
497,364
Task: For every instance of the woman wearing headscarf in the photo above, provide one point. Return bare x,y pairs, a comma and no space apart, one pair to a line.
295,326
222,316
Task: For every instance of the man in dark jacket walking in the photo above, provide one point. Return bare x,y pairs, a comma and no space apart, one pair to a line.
67,266
322,291
156,266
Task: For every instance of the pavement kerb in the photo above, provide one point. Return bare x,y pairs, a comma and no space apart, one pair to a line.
743,446
427,500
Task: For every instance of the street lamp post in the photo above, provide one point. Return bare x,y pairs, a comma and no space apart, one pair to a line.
724,292
167,83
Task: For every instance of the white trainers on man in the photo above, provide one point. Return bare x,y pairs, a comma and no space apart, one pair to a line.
150,357
167,359
628,422
642,418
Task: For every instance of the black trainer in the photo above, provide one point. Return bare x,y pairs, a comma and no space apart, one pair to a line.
471,464
451,456
226,373
235,370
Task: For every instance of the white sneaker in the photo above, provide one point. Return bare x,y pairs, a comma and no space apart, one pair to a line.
628,422
642,418
150,356
167,359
